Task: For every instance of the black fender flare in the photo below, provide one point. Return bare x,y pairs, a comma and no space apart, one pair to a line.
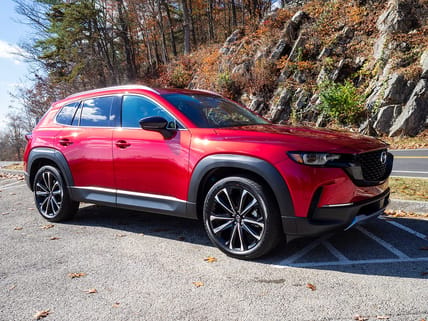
52,155
252,164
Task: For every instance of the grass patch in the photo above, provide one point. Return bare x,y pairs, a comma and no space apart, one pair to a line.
409,188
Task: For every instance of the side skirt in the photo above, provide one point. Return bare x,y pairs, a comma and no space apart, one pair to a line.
143,202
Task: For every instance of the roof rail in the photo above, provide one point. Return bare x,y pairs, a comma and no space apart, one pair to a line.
208,91
114,88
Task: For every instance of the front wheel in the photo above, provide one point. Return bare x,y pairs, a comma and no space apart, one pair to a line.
51,195
241,218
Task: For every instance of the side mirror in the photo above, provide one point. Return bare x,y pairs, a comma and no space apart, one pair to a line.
157,124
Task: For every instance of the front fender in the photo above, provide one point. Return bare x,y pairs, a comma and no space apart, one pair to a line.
262,168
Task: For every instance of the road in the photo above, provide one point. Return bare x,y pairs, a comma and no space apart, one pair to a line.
410,163
151,267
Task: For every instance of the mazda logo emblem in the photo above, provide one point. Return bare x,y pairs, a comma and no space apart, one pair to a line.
383,158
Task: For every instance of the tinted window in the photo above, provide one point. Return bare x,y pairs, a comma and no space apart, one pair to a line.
135,108
65,116
208,111
96,112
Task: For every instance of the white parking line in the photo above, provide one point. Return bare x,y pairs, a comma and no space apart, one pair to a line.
386,245
408,229
12,185
340,263
410,172
342,258
303,251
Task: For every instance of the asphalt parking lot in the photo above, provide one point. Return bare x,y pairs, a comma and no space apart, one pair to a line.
138,266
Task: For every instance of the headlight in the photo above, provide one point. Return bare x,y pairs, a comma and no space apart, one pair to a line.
313,159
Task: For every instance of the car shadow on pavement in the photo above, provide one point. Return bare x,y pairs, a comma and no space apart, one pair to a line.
395,247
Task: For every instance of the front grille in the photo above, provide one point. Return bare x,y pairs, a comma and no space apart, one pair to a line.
372,167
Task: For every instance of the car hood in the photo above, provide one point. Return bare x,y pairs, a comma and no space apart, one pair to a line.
303,138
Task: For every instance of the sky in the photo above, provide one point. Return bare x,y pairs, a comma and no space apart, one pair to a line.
13,71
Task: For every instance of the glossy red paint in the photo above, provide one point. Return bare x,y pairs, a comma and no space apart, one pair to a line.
141,161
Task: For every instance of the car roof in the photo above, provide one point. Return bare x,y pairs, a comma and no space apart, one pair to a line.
157,91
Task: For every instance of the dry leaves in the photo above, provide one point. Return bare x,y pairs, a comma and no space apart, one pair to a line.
382,317
401,213
53,238
42,314
90,291
5,213
47,226
360,318
76,275
311,286
116,305
198,284
120,235
18,228
210,259
12,287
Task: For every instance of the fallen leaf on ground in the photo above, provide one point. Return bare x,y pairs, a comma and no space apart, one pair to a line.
42,314
90,291
181,238
76,275
424,273
198,284
18,228
382,317
53,238
47,226
210,259
116,304
424,248
360,318
12,287
5,213
120,235
311,286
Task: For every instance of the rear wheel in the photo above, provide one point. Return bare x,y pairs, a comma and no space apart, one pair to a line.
51,195
241,218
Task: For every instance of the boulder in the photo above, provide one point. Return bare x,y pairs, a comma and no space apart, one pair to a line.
424,64
281,108
385,118
397,90
235,36
414,117
398,17
279,50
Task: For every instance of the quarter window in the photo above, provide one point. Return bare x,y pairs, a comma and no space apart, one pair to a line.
65,116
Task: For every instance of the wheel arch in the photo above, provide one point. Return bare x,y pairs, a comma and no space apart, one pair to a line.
215,167
42,156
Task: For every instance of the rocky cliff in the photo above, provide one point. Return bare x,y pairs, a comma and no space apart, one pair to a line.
377,49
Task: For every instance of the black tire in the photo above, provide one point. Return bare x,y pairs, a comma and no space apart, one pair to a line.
241,218
51,195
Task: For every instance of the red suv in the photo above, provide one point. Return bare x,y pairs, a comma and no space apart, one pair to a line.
196,154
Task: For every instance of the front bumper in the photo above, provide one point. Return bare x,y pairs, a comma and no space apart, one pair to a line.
329,218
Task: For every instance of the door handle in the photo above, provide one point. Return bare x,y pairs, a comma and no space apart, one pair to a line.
65,142
122,144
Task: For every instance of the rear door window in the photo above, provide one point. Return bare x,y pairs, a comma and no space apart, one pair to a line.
96,112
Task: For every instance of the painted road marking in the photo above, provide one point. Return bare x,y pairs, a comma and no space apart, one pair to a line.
414,172
408,229
11,185
386,245
415,157
401,257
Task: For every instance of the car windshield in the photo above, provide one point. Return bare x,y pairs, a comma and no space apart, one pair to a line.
208,111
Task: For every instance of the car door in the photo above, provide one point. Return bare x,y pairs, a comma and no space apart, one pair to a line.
151,170
87,143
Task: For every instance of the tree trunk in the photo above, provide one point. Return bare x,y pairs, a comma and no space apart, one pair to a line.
170,27
186,27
